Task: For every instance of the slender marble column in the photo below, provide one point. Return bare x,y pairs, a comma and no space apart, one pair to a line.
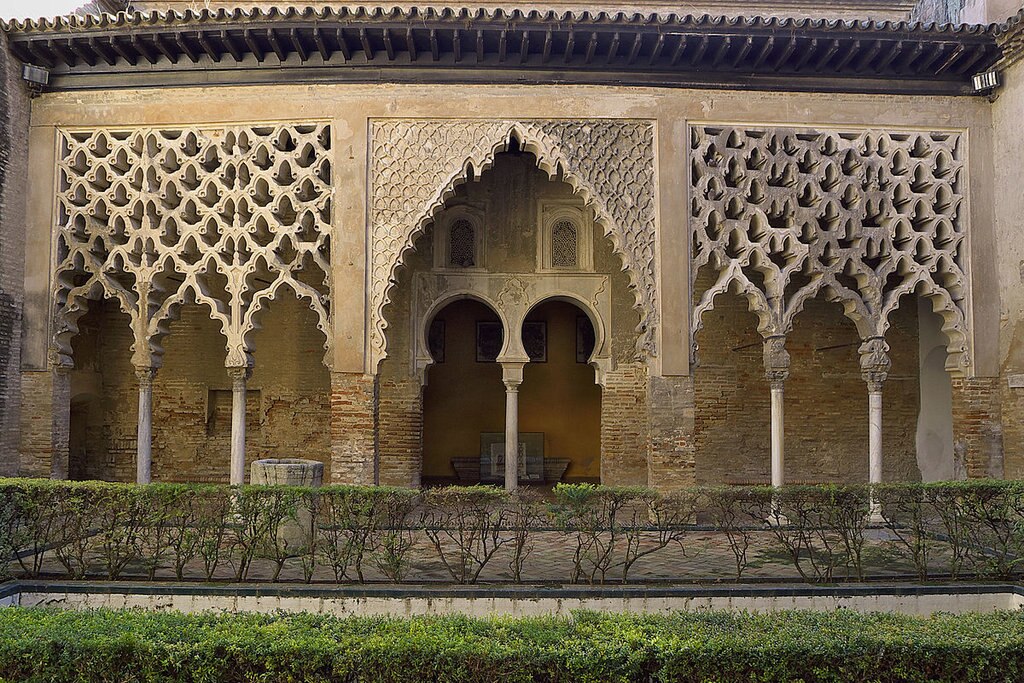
511,436
144,453
875,436
238,375
874,368
512,376
776,370
778,440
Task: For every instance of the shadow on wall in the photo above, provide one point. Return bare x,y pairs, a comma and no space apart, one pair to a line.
934,423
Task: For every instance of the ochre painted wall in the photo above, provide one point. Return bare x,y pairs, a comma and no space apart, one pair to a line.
560,397
464,398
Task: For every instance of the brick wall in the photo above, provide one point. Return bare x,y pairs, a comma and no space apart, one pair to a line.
353,432
400,416
826,425
14,119
44,424
625,430
977,427
672,411
288,396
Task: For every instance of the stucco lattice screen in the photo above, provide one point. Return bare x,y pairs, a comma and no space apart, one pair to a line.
417,163
863,217
226,216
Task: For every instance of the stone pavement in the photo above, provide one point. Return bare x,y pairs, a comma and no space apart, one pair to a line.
703,557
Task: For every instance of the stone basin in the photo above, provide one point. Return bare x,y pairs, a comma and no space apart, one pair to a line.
286,472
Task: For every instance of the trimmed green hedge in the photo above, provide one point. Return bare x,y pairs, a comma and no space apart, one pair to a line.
952,529
38,645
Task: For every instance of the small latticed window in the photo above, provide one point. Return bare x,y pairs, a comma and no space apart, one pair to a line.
462,244
564,245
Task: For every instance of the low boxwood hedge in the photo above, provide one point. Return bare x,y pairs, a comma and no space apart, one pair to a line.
39,645
951,530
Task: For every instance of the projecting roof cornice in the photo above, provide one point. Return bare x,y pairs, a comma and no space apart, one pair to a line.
1010,37
478,46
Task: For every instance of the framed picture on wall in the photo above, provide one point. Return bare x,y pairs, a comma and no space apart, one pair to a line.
585,339
535,340
489,339
435,340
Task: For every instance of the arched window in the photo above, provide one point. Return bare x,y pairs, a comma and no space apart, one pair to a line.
461,244
564,244
566,237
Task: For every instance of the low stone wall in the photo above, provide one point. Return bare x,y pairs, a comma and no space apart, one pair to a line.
520,601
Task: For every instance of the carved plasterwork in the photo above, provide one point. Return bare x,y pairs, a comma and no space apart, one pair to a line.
227,216
776,361
874,362
416,165
862,217
512,297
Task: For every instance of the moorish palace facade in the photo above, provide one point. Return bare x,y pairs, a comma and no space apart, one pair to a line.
714,243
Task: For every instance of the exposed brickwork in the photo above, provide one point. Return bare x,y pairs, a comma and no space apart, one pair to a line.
14,119
44,424
353,433
625,431
671,406
826,413
287,396
977,428
1012,418
400,416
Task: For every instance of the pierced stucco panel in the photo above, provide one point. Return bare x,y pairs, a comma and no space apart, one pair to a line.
228,216
416,164
864,217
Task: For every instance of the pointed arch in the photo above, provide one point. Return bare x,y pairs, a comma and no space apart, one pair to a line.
609,163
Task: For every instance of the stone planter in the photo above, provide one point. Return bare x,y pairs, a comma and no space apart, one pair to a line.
286,472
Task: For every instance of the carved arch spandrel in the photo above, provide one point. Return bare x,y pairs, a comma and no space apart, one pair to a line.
418,163
864,217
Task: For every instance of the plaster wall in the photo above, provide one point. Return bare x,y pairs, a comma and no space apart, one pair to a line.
1008,122
935,453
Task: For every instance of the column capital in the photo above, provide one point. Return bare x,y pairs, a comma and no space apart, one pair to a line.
776,361
512,374
145,375
874,362
240,373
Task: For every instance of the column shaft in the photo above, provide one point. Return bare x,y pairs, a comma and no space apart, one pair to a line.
875,436
778,436
144,453
776,371
511,436
238,379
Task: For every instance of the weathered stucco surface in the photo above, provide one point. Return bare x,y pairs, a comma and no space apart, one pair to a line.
1008,122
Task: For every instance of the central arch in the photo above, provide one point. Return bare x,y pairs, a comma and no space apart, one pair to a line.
418,163
430,412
